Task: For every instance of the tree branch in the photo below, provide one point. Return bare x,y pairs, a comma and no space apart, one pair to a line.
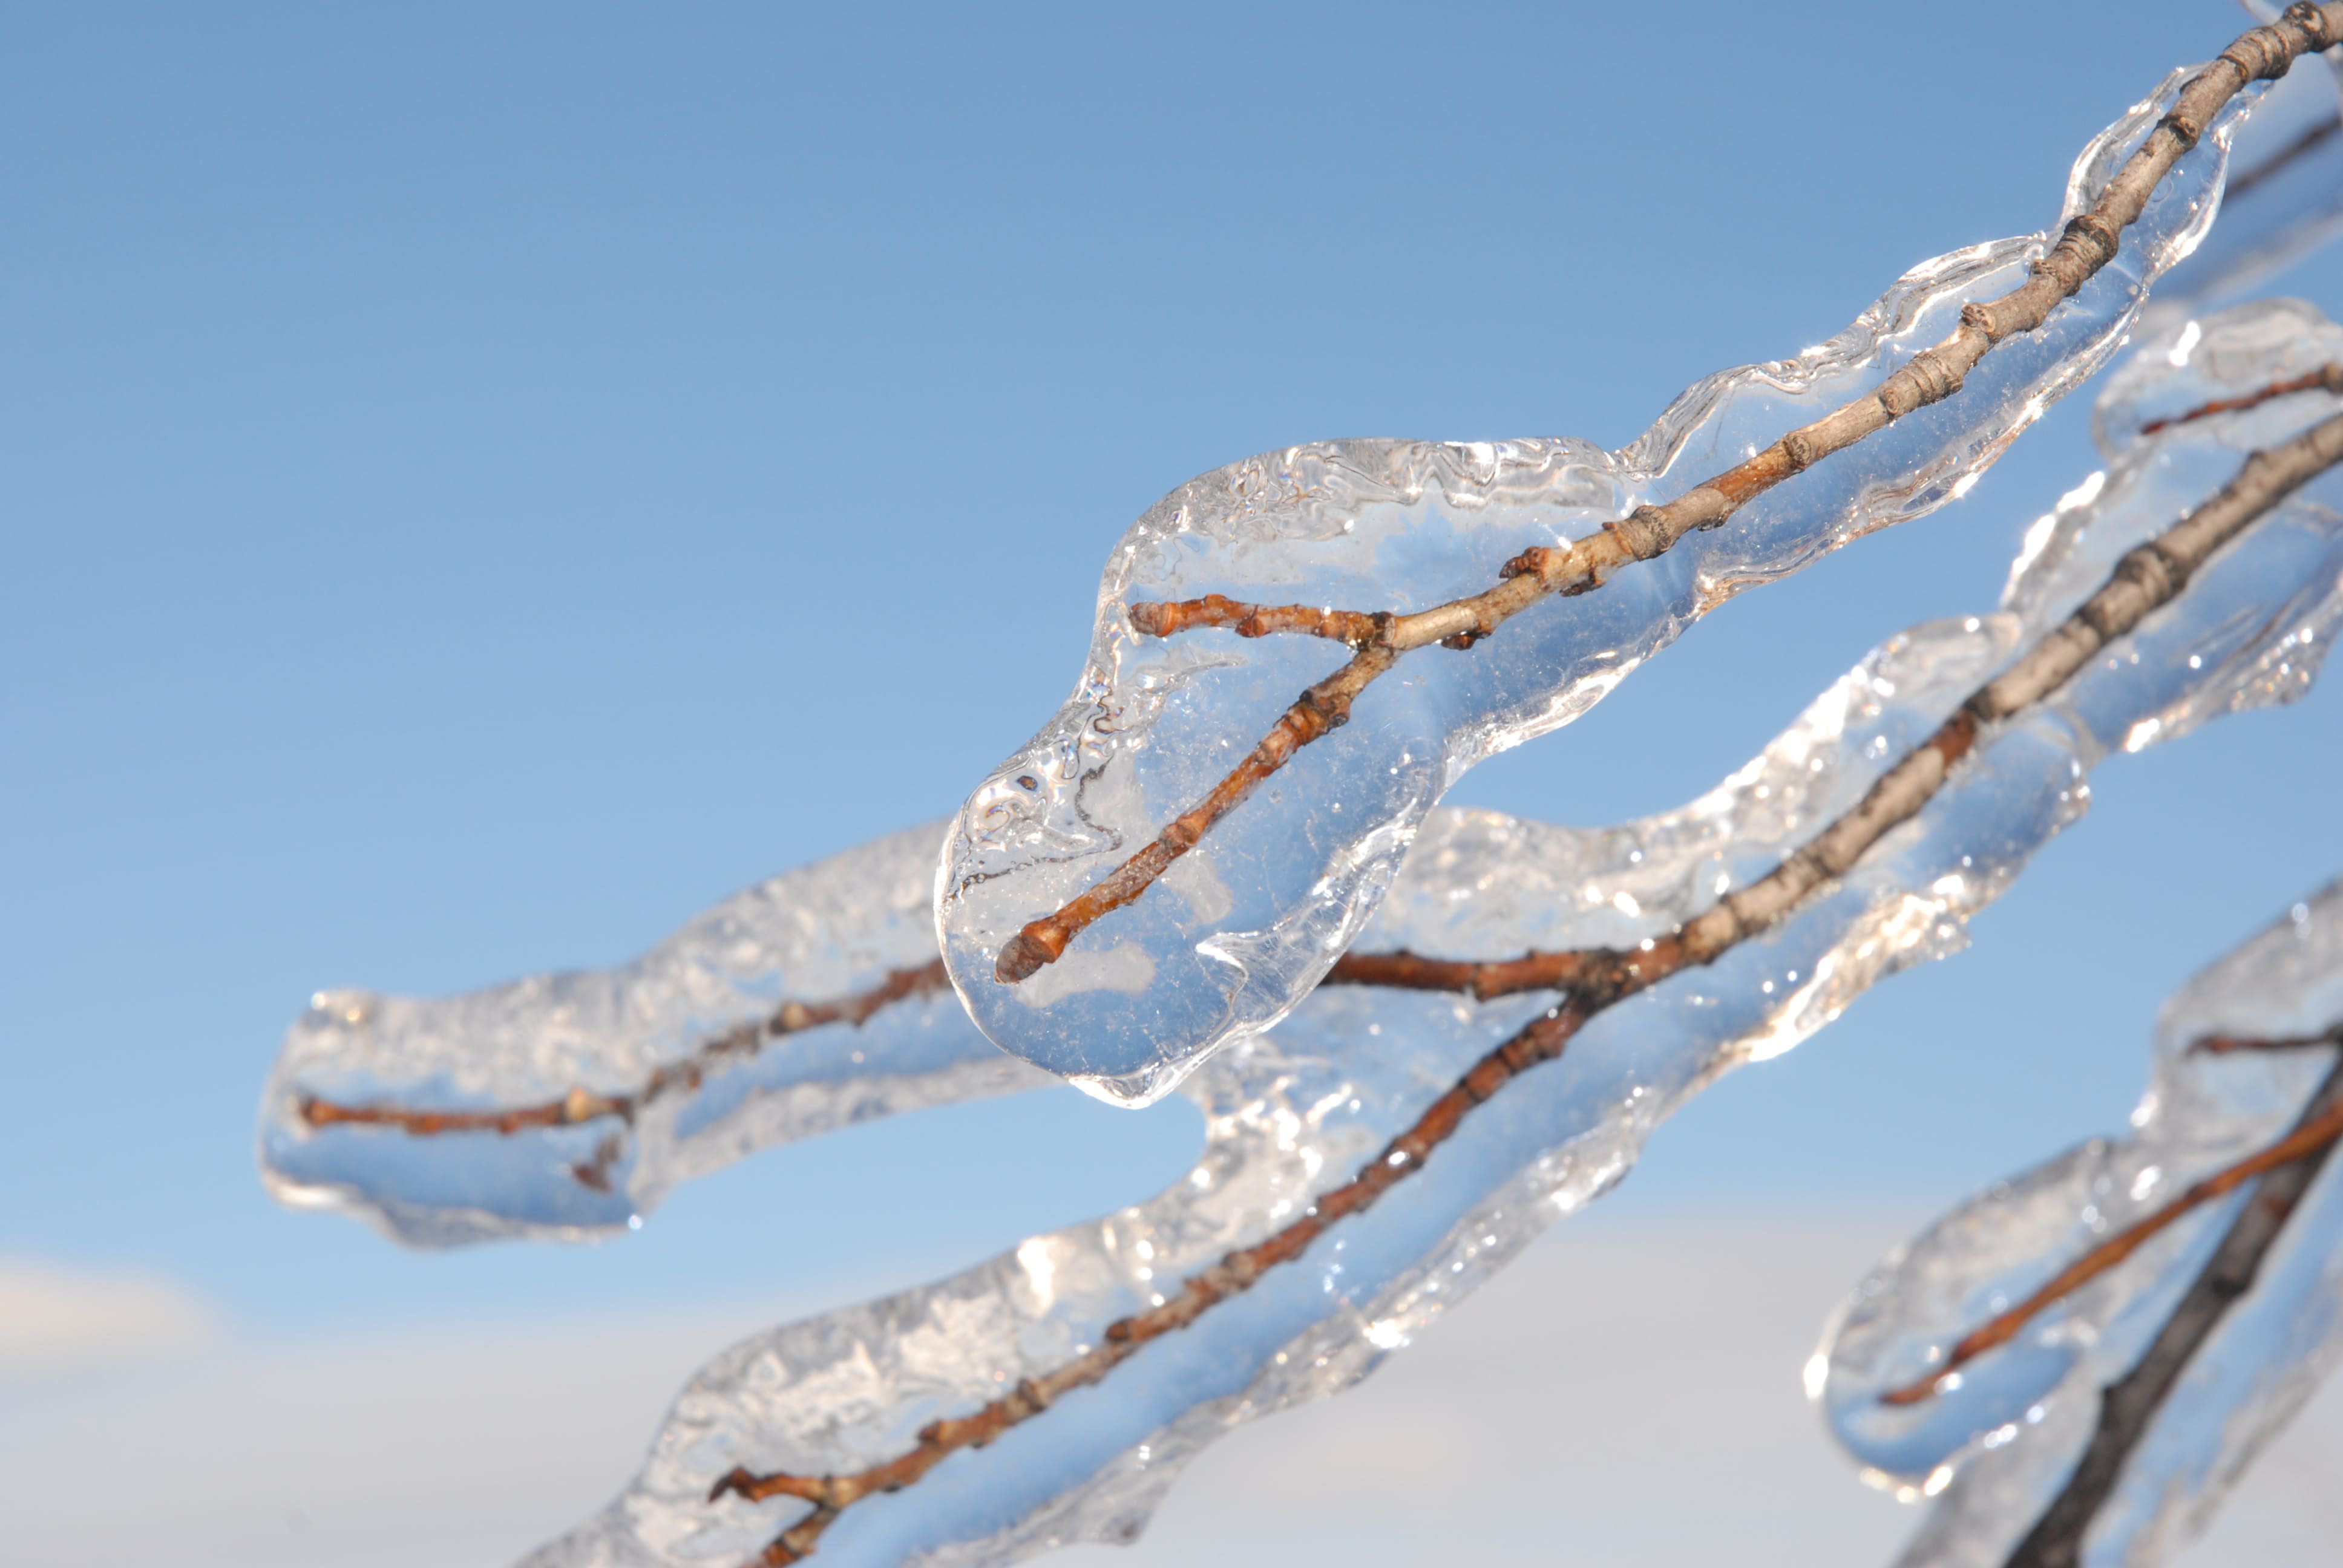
2090,241
2317,1131
2326,379
2128,1407
1595,980
582,1105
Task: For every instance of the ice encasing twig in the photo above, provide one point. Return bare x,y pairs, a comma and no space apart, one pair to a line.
2130,1406
581,1105
1382,639
2307,1143
1593,980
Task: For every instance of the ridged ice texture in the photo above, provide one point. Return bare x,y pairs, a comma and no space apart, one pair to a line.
812,935
2024,1413
1245,923
1292,1112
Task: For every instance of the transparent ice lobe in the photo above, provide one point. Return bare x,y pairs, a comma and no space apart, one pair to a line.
638,1077
2008,1437
1244,924
1291,1113
2283,199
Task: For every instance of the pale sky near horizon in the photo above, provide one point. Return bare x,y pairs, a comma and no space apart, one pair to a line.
480,487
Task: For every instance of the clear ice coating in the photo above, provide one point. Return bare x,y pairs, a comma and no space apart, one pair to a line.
2282,200
2007,1437
821,934
1244,924
1291,1112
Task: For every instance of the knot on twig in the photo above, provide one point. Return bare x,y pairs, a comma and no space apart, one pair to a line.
2311,18
1641,533
1928,377
2155,573
1533,562
2266,50
1979,316
2090,228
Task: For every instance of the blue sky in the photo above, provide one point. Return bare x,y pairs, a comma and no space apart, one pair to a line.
477,487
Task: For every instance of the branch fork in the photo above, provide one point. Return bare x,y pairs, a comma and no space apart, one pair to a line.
1590,981
1381,638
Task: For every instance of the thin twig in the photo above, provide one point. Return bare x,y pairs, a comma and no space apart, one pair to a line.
2223,1044
2130,1406
2089,242
582,1105
2311,1135
1595,979
1484,981
2326,379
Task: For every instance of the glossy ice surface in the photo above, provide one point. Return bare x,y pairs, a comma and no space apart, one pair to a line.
826,931
1243,926
1292,1112
2007,1437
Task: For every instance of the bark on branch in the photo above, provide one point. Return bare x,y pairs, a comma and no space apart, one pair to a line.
2090,241
2130,1406
1595,979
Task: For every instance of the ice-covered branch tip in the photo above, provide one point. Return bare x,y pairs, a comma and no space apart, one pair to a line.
2130,1406
1590,981
2308,1142
581,1105
1379,639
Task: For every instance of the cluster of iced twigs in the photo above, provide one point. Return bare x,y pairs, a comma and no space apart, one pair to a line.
1383,1149
2090,1353
1175,861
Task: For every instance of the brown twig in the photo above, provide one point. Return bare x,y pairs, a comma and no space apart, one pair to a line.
2130,1406
2326,379
2313,1134
2223,1044
582,1105
1595,979
1171,618
2089,242
1484,981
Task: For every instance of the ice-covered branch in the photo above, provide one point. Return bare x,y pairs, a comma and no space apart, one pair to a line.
568,1105
2326,379
2090,241
2130,1406
2322,1123
2158,1340
1298,1251
1454,542
2148,578
581,1105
